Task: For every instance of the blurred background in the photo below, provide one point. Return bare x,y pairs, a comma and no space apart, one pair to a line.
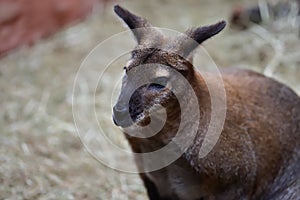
42,44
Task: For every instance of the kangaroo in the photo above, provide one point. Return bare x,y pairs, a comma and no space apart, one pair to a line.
257,155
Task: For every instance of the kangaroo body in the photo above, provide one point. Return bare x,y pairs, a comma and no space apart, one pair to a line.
258,153
256,157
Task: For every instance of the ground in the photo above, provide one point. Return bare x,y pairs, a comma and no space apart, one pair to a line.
41,156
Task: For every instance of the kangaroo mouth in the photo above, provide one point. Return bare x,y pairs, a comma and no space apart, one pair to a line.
135,115
124,122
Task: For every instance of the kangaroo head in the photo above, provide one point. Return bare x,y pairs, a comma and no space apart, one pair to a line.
153,64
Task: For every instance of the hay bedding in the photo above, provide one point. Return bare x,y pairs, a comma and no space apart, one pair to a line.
40,155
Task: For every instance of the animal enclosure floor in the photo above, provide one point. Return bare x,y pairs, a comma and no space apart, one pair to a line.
41,156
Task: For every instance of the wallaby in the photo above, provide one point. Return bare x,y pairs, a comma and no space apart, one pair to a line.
258,153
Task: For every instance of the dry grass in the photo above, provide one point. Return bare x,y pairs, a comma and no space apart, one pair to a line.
40,155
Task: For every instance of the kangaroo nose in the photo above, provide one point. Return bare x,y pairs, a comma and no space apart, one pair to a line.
120,111
121,116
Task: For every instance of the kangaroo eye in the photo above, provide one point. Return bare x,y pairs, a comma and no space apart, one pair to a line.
159,83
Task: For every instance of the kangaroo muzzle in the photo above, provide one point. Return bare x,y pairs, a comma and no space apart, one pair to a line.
121,116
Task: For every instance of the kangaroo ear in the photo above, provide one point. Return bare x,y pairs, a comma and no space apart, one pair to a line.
133,21
196,36
137,24
203,33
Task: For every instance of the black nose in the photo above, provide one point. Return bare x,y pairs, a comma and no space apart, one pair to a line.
121,116
120,111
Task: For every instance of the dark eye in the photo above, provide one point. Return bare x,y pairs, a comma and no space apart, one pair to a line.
159,82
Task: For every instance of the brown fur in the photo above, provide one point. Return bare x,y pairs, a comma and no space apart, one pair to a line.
258,153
